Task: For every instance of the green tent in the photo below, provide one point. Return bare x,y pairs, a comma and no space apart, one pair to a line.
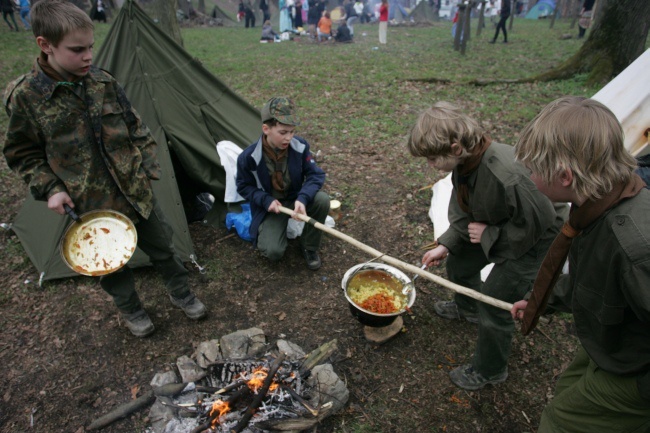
188,111
423,13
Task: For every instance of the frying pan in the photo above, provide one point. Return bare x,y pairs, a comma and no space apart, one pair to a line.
98,242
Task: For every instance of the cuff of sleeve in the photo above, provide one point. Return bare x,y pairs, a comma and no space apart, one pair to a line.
55,190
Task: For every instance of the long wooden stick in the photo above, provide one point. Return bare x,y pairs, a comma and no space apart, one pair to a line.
400,264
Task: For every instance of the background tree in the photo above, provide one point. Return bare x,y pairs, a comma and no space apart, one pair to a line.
618,36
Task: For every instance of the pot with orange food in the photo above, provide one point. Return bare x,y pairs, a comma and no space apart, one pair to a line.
374,293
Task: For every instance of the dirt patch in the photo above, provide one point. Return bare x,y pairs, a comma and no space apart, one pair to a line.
68,359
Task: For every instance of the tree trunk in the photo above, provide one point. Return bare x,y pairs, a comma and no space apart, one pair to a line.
164,11
201,6
617,38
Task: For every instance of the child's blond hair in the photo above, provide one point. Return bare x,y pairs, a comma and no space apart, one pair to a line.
582,135
440,126
53,19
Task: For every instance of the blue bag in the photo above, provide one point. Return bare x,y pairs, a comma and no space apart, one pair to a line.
241,222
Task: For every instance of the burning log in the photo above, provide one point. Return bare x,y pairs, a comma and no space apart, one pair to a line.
238,395
250,411
300,400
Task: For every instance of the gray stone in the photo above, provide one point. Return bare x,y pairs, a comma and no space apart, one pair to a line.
327,386
160,415
165,378
293,351
243,344
207,353
189,371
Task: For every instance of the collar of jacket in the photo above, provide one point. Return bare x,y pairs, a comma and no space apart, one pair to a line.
46,85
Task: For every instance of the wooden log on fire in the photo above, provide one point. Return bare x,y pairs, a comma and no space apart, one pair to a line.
252,408
123,411
317,356
400,264
241,393
296,424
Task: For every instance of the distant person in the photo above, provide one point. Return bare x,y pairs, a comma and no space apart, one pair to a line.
279,170
574,149
325,27
351,15
249,15
24,13
264,8
297,19
313,16
497,216
383,21
100,13
504,14
285,16
343,33
241,11
7,7
585,17
91,153
268,34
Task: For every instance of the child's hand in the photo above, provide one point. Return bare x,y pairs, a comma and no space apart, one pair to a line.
517,311
475,231
435,256
56,202
275,206
299,209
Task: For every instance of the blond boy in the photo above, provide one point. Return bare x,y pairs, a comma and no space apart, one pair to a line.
76,140
496,216
574,148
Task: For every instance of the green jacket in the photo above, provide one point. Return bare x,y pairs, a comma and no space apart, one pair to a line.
608,289
83,138
502,196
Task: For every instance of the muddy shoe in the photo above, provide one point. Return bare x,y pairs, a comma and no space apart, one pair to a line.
312,258
191,306
467,378
449,310
138,323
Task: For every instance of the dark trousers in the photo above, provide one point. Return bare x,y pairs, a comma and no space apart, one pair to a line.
155,240
250,20
508,281
502,26
272,234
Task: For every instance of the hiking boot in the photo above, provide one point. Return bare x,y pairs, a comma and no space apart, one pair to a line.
467,378
138,323
191,306
449,310
312,258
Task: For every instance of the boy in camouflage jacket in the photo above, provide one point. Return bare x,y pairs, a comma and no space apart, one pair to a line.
76,140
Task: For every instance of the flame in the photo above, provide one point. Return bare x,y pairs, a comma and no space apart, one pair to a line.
257,380
219,409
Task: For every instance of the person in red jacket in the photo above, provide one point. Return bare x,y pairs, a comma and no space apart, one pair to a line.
383,21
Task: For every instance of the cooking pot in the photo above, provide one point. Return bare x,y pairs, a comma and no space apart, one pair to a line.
367,317
98,242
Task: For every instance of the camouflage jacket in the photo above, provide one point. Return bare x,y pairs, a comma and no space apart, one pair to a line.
85,139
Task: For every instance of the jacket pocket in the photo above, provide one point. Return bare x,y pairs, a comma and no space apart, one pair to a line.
594,303
115,132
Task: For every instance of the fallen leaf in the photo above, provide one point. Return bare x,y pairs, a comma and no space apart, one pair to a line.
134,391
282,316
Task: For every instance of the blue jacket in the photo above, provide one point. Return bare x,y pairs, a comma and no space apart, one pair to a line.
254,180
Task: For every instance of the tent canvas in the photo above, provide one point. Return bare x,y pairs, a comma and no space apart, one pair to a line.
543,8
188,111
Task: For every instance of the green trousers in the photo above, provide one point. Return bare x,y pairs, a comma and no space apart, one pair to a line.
508,281
272,234
155,240
590,400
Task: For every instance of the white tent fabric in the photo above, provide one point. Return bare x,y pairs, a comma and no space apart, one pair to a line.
228,153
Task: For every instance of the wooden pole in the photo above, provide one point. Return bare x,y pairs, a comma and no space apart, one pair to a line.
402,265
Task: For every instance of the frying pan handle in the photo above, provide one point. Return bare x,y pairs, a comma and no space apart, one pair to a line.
72,213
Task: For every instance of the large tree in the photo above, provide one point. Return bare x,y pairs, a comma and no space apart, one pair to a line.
617,38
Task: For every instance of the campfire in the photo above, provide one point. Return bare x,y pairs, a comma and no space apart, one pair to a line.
240,383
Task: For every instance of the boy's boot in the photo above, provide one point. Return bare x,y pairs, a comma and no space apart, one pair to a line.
312,258
467,378
449,310
138,323
191,306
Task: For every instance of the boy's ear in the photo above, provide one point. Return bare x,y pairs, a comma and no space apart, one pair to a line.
44,45
265,129
456,149
566,177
